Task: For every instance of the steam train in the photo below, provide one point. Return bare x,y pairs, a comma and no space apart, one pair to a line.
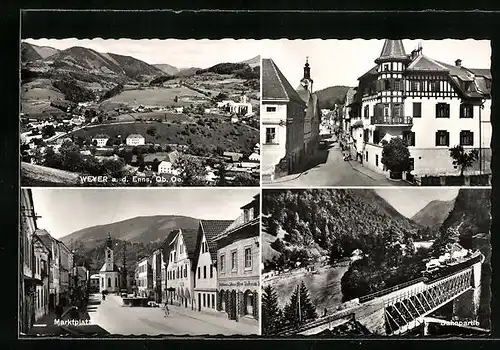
449,263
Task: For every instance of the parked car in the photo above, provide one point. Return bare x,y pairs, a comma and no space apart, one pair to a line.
123,293
153,304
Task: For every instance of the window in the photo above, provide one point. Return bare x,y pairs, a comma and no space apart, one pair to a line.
185,271
386,67
366,155
412,164
234,266
434,86
109,282
248,257
270,109
397,110
442,138
397,85
366,112
466,138
199,274
415,85
409,138
442,110
417,109
386,110
466,111
271,135
222,266
38,298
213,301
204,299
376,160
211,271
205,271
109,254
386,84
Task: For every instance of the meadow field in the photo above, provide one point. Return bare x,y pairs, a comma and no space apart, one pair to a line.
229,136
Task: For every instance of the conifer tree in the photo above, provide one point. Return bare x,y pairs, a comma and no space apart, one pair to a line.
271,313
300,308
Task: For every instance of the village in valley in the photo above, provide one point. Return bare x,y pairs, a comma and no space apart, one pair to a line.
91,118
195,276
400,118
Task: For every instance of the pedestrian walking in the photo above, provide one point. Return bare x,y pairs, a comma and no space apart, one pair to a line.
167,311
59,311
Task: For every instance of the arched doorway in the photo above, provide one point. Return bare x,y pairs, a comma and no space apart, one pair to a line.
248,302
109,282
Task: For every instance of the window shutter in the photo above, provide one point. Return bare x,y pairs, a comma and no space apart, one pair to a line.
437,110
447,138
437,138
472,111
472,138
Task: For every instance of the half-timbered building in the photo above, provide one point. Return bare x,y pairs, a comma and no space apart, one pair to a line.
432,105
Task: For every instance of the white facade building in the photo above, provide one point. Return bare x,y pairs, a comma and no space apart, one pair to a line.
206,270
100,140
145,280
135,140
109,273
432,105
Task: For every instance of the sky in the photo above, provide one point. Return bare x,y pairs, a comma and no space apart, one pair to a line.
409,201
342,62
333,62
178,53
64,211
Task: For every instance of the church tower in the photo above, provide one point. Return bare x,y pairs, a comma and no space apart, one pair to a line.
109,257
306,81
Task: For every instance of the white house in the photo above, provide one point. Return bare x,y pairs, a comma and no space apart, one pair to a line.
135,140
42,255
283,113
254,157
145,280
234,119
167,165
180,268
432,105
206,271
100,140
179,109
109,272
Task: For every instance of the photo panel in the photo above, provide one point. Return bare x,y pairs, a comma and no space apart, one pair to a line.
370,262
376,112
149,112
139,262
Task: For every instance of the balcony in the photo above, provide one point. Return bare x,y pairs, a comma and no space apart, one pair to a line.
394,121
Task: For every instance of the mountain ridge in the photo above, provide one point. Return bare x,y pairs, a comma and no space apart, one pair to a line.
434,213
139,229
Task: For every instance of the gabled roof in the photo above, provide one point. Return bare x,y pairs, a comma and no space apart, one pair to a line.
392,49
459,72
211,228
274,84
166,245
371,72
424,63
46,242
482,72
135,136
115,268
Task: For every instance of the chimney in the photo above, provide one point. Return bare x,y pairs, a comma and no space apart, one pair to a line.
458,63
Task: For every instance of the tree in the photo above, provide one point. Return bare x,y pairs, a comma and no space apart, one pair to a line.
52,159
245,179
396,156
462,158
71,156
193,172
444,240
221,179
300,308
272,316
151,131
336,252
48,131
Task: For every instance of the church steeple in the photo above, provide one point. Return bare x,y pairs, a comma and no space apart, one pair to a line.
109,242
306,81
307,70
